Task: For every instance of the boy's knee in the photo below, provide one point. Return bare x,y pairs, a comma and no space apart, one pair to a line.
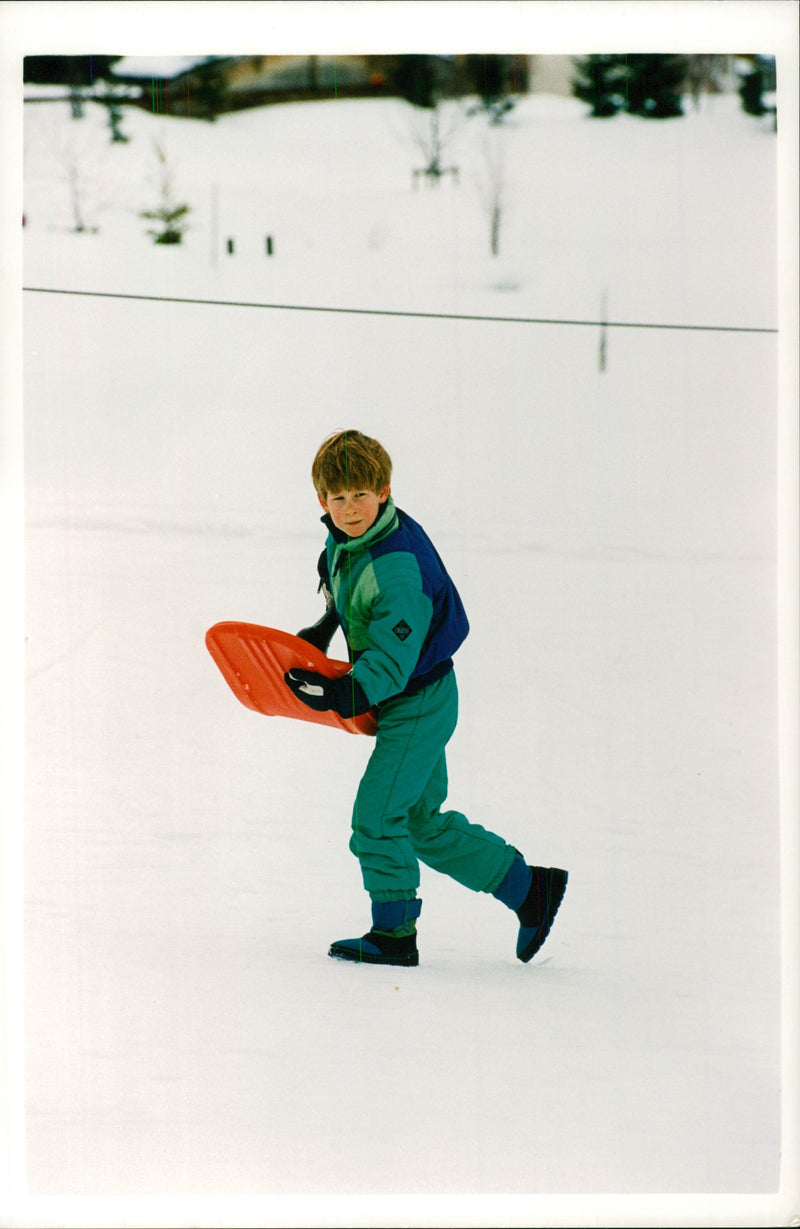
377,826
424,824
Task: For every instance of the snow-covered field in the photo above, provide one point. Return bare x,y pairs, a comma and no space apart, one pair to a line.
613,534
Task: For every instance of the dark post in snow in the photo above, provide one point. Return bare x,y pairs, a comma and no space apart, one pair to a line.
230,246
269,246
603,353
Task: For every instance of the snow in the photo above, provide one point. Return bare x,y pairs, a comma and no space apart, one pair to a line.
100,90
613,536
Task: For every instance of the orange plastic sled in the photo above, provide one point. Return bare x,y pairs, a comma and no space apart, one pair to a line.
253,661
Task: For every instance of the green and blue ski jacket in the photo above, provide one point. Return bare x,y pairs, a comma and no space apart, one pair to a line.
400,612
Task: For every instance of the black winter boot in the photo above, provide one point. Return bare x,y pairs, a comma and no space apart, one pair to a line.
534,893
537,911
383,944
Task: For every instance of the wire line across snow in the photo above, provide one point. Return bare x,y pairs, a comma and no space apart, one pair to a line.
410,315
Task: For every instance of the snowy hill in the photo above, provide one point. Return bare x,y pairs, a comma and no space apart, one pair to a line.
611,527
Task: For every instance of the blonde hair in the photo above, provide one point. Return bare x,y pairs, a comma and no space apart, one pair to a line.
349,460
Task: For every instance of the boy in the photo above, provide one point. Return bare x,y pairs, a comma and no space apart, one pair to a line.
402,617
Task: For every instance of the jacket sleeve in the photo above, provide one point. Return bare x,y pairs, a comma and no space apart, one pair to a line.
398,616
322,632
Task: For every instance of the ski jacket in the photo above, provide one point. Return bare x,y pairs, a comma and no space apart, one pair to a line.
400,611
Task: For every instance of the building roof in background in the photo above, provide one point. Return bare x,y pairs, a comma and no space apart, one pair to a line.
164,66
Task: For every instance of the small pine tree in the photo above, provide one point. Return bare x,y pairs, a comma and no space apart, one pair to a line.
655,85
600,82
172,223
171,217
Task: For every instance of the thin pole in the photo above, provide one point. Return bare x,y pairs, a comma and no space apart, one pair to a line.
214,221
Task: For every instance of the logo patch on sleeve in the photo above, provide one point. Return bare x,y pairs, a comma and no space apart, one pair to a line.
402,631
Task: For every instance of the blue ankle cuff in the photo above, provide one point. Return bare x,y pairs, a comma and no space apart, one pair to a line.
514,888
392,914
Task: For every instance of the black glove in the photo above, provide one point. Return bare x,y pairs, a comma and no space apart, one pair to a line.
321,633
344,695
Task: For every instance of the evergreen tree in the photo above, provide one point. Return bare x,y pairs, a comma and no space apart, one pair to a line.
600,82
416,79
170,217
655,85
752,84
74,70
486,75
750,92
208,89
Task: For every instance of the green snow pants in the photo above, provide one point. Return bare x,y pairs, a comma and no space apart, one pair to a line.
397,817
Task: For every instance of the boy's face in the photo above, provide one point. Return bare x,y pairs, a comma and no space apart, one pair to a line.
354,512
